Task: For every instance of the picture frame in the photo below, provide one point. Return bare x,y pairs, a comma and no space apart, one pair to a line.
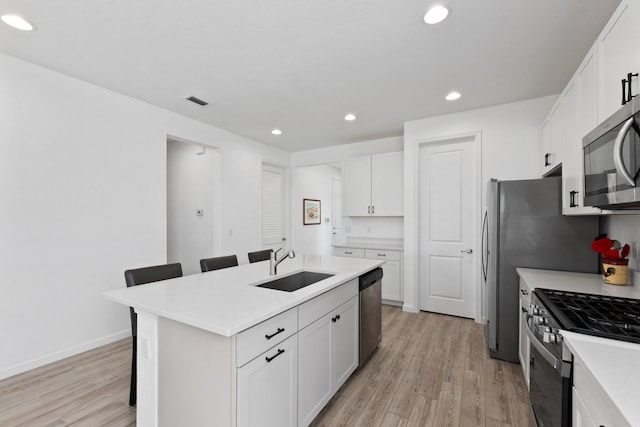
311,212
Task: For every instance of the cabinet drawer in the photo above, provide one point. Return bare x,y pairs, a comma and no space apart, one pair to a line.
349,252
313,309
256,340
379,254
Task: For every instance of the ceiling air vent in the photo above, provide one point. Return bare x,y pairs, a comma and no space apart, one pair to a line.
197,101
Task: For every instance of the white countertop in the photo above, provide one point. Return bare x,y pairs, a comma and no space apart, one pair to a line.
227,301
382,244
616,367
575,282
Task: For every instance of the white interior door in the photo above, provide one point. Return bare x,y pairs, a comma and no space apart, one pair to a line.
449,191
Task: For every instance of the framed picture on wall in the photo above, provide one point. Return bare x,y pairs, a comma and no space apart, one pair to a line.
310,212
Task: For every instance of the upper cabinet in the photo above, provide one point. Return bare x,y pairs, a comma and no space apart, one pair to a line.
552,140
579,117
619,52
594,93
373,185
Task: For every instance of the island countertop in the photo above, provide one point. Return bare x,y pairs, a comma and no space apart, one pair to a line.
227,301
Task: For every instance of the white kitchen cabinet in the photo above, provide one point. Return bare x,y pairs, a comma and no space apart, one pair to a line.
523,339
392,269
391,273
268,387
619,54
552,139
314,369
595,407
579,117
373,185
328,351
580,416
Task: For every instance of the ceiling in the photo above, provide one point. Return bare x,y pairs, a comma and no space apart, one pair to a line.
301,65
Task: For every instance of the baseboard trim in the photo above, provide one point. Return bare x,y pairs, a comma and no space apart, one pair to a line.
409,308
28,365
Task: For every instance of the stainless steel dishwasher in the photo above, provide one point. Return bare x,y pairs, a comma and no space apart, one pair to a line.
370,313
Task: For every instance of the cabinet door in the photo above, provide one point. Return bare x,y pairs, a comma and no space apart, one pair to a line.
523,339
356,191
268,387
546,144
392,281
387,183
619,55
314,369
580,416
344,336
571,141
552,139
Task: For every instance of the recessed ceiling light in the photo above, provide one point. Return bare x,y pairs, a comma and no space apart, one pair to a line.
436,14
350,117
18,22
276,132
452,96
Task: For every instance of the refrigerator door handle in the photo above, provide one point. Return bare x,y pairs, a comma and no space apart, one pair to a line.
485,259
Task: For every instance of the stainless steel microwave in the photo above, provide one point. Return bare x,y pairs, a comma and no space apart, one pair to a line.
611,155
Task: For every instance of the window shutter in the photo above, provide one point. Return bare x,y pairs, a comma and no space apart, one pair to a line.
272,207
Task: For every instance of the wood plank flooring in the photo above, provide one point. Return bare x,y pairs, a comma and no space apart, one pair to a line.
430,370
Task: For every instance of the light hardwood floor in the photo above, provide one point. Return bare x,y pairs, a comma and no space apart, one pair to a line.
430,370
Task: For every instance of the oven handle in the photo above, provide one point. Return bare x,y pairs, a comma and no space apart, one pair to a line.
617,152
554,361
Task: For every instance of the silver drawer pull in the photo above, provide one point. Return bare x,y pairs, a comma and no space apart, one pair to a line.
348,253
382,255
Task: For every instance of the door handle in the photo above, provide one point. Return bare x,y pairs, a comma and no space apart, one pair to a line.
468,251
617,152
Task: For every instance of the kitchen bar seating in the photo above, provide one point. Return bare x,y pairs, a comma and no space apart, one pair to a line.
260,255
141,276
210,264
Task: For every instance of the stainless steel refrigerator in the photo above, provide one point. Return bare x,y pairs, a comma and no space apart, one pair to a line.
523,226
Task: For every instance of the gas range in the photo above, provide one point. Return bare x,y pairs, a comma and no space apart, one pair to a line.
599,315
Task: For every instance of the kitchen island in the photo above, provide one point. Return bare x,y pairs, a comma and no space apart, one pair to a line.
205,342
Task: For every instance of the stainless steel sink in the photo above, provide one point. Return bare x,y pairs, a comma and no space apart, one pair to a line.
295,281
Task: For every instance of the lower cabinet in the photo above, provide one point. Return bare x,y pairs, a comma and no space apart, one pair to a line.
523,338
328,350
392,280
268,387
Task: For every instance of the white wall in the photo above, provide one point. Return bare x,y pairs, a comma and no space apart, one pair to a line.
83,185
313,182
337,153
510,136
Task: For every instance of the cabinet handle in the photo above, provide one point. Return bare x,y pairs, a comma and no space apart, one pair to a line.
624,95
524,310
269,359
524,292
382,254
279,331
335,319
546,159
348,252
572,199
369,209
373,209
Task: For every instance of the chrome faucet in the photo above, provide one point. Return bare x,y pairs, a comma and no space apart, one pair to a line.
274,261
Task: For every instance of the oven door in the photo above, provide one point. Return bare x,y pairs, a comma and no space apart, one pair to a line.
611,155
550,386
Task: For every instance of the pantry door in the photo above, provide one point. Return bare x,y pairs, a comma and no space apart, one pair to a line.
449,193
